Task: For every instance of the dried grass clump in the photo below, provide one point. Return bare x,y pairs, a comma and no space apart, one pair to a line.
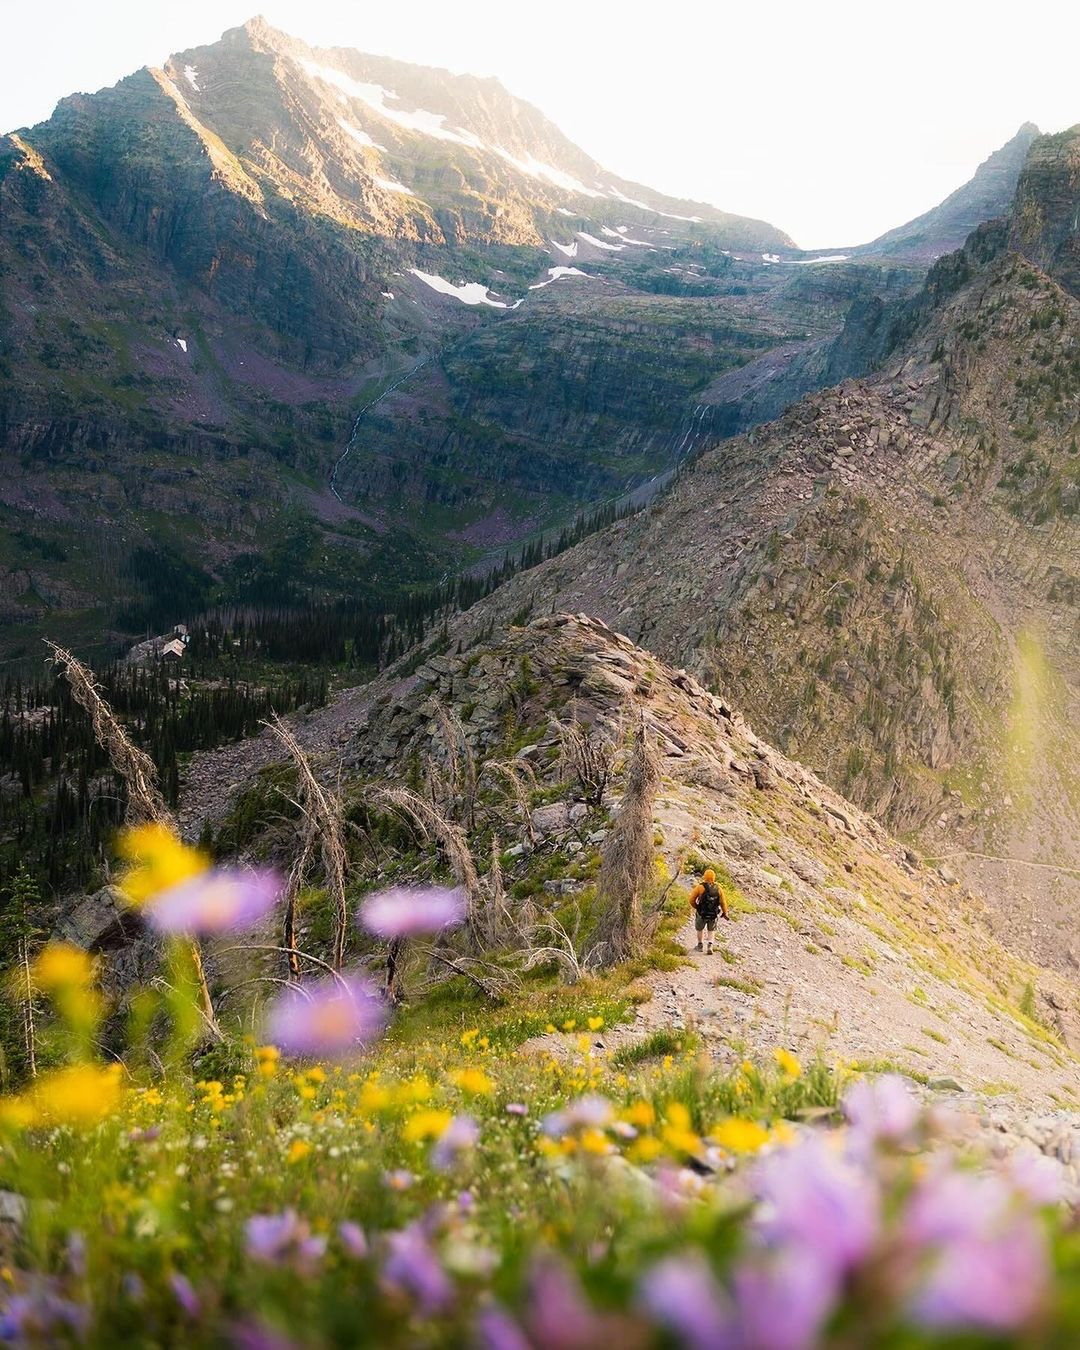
144,800
626,866
587,758
322,816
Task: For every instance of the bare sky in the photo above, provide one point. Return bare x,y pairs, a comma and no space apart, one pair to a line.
834,121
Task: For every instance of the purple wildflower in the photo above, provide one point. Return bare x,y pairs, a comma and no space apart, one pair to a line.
560,1317
283,1239
817,1201
258,1336
41,1316
460,1135
185,1295
224,900
412,1266
412,911
681,1294
495,1329
783,1302
516,1109
400,1179
353,1239
590,1112
331,1018
950,1206
882,1110
997,1283
1035,1176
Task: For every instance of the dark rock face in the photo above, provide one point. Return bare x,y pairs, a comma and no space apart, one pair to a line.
1046,218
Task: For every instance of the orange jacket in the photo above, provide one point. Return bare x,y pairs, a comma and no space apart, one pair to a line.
699,891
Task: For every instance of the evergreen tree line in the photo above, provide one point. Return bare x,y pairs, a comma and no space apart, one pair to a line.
364,634
60,803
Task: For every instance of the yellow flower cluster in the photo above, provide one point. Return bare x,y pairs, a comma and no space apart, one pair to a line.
158,860
81,1095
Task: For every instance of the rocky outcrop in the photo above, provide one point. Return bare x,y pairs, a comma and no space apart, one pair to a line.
1045,226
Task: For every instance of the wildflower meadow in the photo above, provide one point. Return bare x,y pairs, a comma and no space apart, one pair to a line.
459,1173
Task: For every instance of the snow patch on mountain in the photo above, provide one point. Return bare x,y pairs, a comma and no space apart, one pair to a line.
569,249
181,343
631,201
536,168
377,99
390,185
554,273
192,77
360,137
828,258
599,243
564,212
469,292
623,238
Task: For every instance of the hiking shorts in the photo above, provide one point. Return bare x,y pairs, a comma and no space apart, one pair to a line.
701,923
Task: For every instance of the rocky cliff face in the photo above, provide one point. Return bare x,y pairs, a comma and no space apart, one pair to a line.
1046,221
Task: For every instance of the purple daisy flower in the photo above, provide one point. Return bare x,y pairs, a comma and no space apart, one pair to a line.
881,1110
224,900
681,1294
353,1239
283,1239
185,1295
819,1203
460,1135
412,911
998,1283
331,1018
412,1266
784,1302
495,1329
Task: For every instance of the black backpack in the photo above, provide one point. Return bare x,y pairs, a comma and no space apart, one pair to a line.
708,905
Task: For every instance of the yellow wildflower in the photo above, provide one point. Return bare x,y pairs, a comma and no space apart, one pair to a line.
677,1132
375,1096
740,1136
595,1023
306,1092
298,1149
317,1074
550,1029
473,1081
594,1141
62,966
569,1024
83,1094
415,1089
789,1065
645,1149
159,860
467,1037
640,1114
426,1124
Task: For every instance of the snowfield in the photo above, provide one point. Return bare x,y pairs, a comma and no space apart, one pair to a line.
192,77
360,137
569,249
469,292
554,273
377,99
536,168
599,243
390,185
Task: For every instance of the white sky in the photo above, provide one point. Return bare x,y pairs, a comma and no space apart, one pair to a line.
834,121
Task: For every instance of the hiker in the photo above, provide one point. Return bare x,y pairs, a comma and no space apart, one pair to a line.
707,901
